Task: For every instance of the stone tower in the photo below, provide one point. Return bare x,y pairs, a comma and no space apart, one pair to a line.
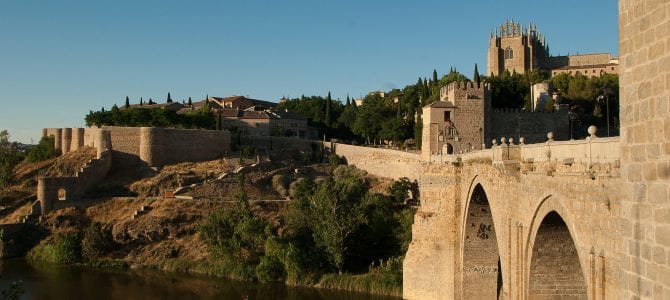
516,49
459,122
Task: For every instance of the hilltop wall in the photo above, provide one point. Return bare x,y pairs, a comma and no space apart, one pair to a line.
152,146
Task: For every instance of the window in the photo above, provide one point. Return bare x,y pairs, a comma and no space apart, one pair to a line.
62,194
447,116
509,53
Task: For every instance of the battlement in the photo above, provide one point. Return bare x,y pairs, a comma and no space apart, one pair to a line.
464,90
562,109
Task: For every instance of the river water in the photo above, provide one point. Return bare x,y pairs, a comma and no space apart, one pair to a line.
70,282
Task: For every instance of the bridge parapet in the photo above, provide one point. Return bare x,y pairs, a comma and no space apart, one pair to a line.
589,151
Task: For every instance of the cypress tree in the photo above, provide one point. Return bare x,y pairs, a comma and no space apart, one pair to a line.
348,101
476,78
141,101
327,118
127,102
169,99
434,76
190,103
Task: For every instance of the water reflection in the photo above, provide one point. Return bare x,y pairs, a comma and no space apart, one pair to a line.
63,282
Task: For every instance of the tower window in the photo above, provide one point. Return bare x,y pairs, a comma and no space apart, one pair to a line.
447,116
509,53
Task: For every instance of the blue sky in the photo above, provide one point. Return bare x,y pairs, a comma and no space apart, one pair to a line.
60,59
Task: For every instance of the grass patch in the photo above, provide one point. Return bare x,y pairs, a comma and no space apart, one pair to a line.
366,283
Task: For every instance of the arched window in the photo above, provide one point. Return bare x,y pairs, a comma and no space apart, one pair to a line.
509,53
62,194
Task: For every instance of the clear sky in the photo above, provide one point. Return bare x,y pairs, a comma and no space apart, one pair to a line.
60,59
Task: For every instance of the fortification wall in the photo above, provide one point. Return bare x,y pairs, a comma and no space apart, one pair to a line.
137,145
279,143
191,145
380,162
532,126
59,192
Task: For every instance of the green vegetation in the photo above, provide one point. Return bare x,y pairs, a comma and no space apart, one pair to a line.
43,151
333,226
157,117
64,249
9,158
96,242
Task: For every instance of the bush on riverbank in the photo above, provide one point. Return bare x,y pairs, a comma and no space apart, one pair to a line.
64,249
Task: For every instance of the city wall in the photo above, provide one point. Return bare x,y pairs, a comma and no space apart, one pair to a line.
152,146
380,162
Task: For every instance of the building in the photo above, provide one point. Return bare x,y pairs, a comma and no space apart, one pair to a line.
464,120
267,123
516,48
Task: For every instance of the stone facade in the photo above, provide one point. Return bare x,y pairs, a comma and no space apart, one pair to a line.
516,49
644,43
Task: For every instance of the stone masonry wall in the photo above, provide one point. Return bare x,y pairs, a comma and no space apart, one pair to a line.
380,162
155,147
644,45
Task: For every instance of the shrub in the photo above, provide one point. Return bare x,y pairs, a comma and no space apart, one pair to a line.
270,269
96,242
279,182
65,249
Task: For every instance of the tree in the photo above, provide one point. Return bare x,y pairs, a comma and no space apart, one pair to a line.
434,81
127,102
43,151
141,101
328,117
336,213
169,99
190,102
475,77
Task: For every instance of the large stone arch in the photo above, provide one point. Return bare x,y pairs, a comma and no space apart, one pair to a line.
554,262
482,277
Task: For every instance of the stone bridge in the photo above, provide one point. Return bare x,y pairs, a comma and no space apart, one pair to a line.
517,222
564,220
536,221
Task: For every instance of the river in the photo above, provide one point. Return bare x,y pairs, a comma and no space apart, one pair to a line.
71,282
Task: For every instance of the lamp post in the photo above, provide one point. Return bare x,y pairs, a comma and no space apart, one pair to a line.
607,92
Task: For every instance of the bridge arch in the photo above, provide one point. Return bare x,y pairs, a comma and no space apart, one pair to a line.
482,277
554,264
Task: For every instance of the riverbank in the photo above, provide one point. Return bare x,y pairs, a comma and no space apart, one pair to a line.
75,282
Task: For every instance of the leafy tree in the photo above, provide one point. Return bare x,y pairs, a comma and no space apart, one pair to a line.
9,158
43,151
236,235
337,213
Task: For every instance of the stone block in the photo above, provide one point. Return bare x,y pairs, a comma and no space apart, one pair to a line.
663,235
